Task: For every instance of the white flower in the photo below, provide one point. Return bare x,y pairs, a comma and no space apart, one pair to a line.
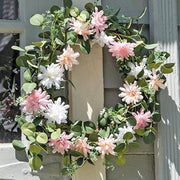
102,39
51,76
136,69
122,132
68,58
57,112
131,93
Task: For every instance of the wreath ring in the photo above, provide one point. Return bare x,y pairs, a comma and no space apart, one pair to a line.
44,119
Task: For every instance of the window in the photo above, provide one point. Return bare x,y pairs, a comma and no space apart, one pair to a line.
9,72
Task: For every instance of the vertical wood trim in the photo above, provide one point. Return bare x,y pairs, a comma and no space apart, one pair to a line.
88,98
164,30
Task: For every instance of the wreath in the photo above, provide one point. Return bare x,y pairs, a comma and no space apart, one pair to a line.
45,120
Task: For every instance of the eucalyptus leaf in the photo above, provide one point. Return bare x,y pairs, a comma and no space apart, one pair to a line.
36,20
28,87
17,48
28,129
42,138
18,145
85,47
35,163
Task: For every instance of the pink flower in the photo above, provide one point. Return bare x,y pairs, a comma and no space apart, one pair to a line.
122,50
62,143
142,119
99,21
130,93
106,146
82,146
68,58
35,101
76,26
155,82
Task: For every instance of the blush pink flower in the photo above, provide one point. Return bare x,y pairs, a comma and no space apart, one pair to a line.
155,82
131,93
106,146
122,50
76,26
36,101
68,58
99,21
82,146
142,119
62,143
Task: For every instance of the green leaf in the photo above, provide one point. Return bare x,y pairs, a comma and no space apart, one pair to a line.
86,13
129,79
28,129
120,148
75,153
22,61
32,64
143,13
71,37
120,160
93,137
51,127
150,46
80,162
157,65
74,11
28,87
34,149
102,122
156,117
35,163
36,20
39,44
66,160
42,138
90,127
139,132
140,74
89,6
17,48
131,121
54,8
55,134
59,42
85,24
65,171
142,83
148,137
128,136
85,47
27,75
169,65
77,130
166,70
30,47
18,145
67,3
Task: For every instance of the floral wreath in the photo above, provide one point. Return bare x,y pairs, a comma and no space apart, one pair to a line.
44,119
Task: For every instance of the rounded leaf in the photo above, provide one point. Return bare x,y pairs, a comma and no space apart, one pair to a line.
42,138
28,129
36,20
35,163
18,145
